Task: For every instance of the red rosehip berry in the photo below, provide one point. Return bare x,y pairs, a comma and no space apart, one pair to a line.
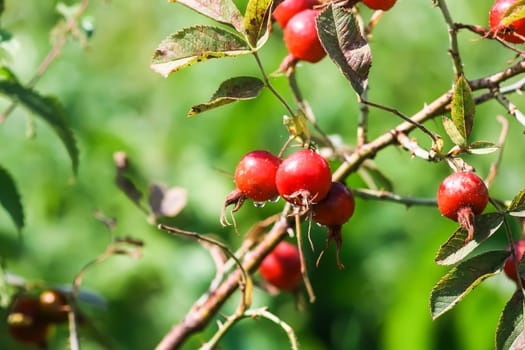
54,306
301,38
255,175
333,211
511,32
460,197
303,178
255,179
509,267
336,208
384,5
25,322
282,267
289,8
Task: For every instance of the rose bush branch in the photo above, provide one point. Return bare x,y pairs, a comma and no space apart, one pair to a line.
436,108
201,313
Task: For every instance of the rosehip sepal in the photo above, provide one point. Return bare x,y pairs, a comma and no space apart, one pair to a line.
461,196
333,211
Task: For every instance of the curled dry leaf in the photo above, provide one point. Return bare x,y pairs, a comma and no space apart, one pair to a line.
167,202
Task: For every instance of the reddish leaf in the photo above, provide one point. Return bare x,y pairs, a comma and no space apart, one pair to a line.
342,39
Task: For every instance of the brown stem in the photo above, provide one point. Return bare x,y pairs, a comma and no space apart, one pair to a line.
201,313
437,107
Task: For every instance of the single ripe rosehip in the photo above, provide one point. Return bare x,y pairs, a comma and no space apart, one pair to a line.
384,5
301,38
25,322
282,267
54,306
460,197
303,178
336,208
508,32
289,8
509,267
333,211
255,179
255,175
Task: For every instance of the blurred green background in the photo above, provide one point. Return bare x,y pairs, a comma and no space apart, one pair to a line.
116,103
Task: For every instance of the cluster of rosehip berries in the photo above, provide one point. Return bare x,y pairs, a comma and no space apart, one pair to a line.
297,19
303,179
513,32
30,318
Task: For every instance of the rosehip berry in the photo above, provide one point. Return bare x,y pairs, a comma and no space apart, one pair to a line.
301,38
282,267
288,8
508,32
303,178
333,211
509,267
25,322
54,306
460,197
384,5
255,179
255,175
336,208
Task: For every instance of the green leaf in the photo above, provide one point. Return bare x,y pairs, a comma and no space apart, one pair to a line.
10,199
196,44
49,108
231,90
455,249
482,147
341,37
518,212
453,132
460,280
462,110
518,201
222,11
509,332
2,7
514,12
256,20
